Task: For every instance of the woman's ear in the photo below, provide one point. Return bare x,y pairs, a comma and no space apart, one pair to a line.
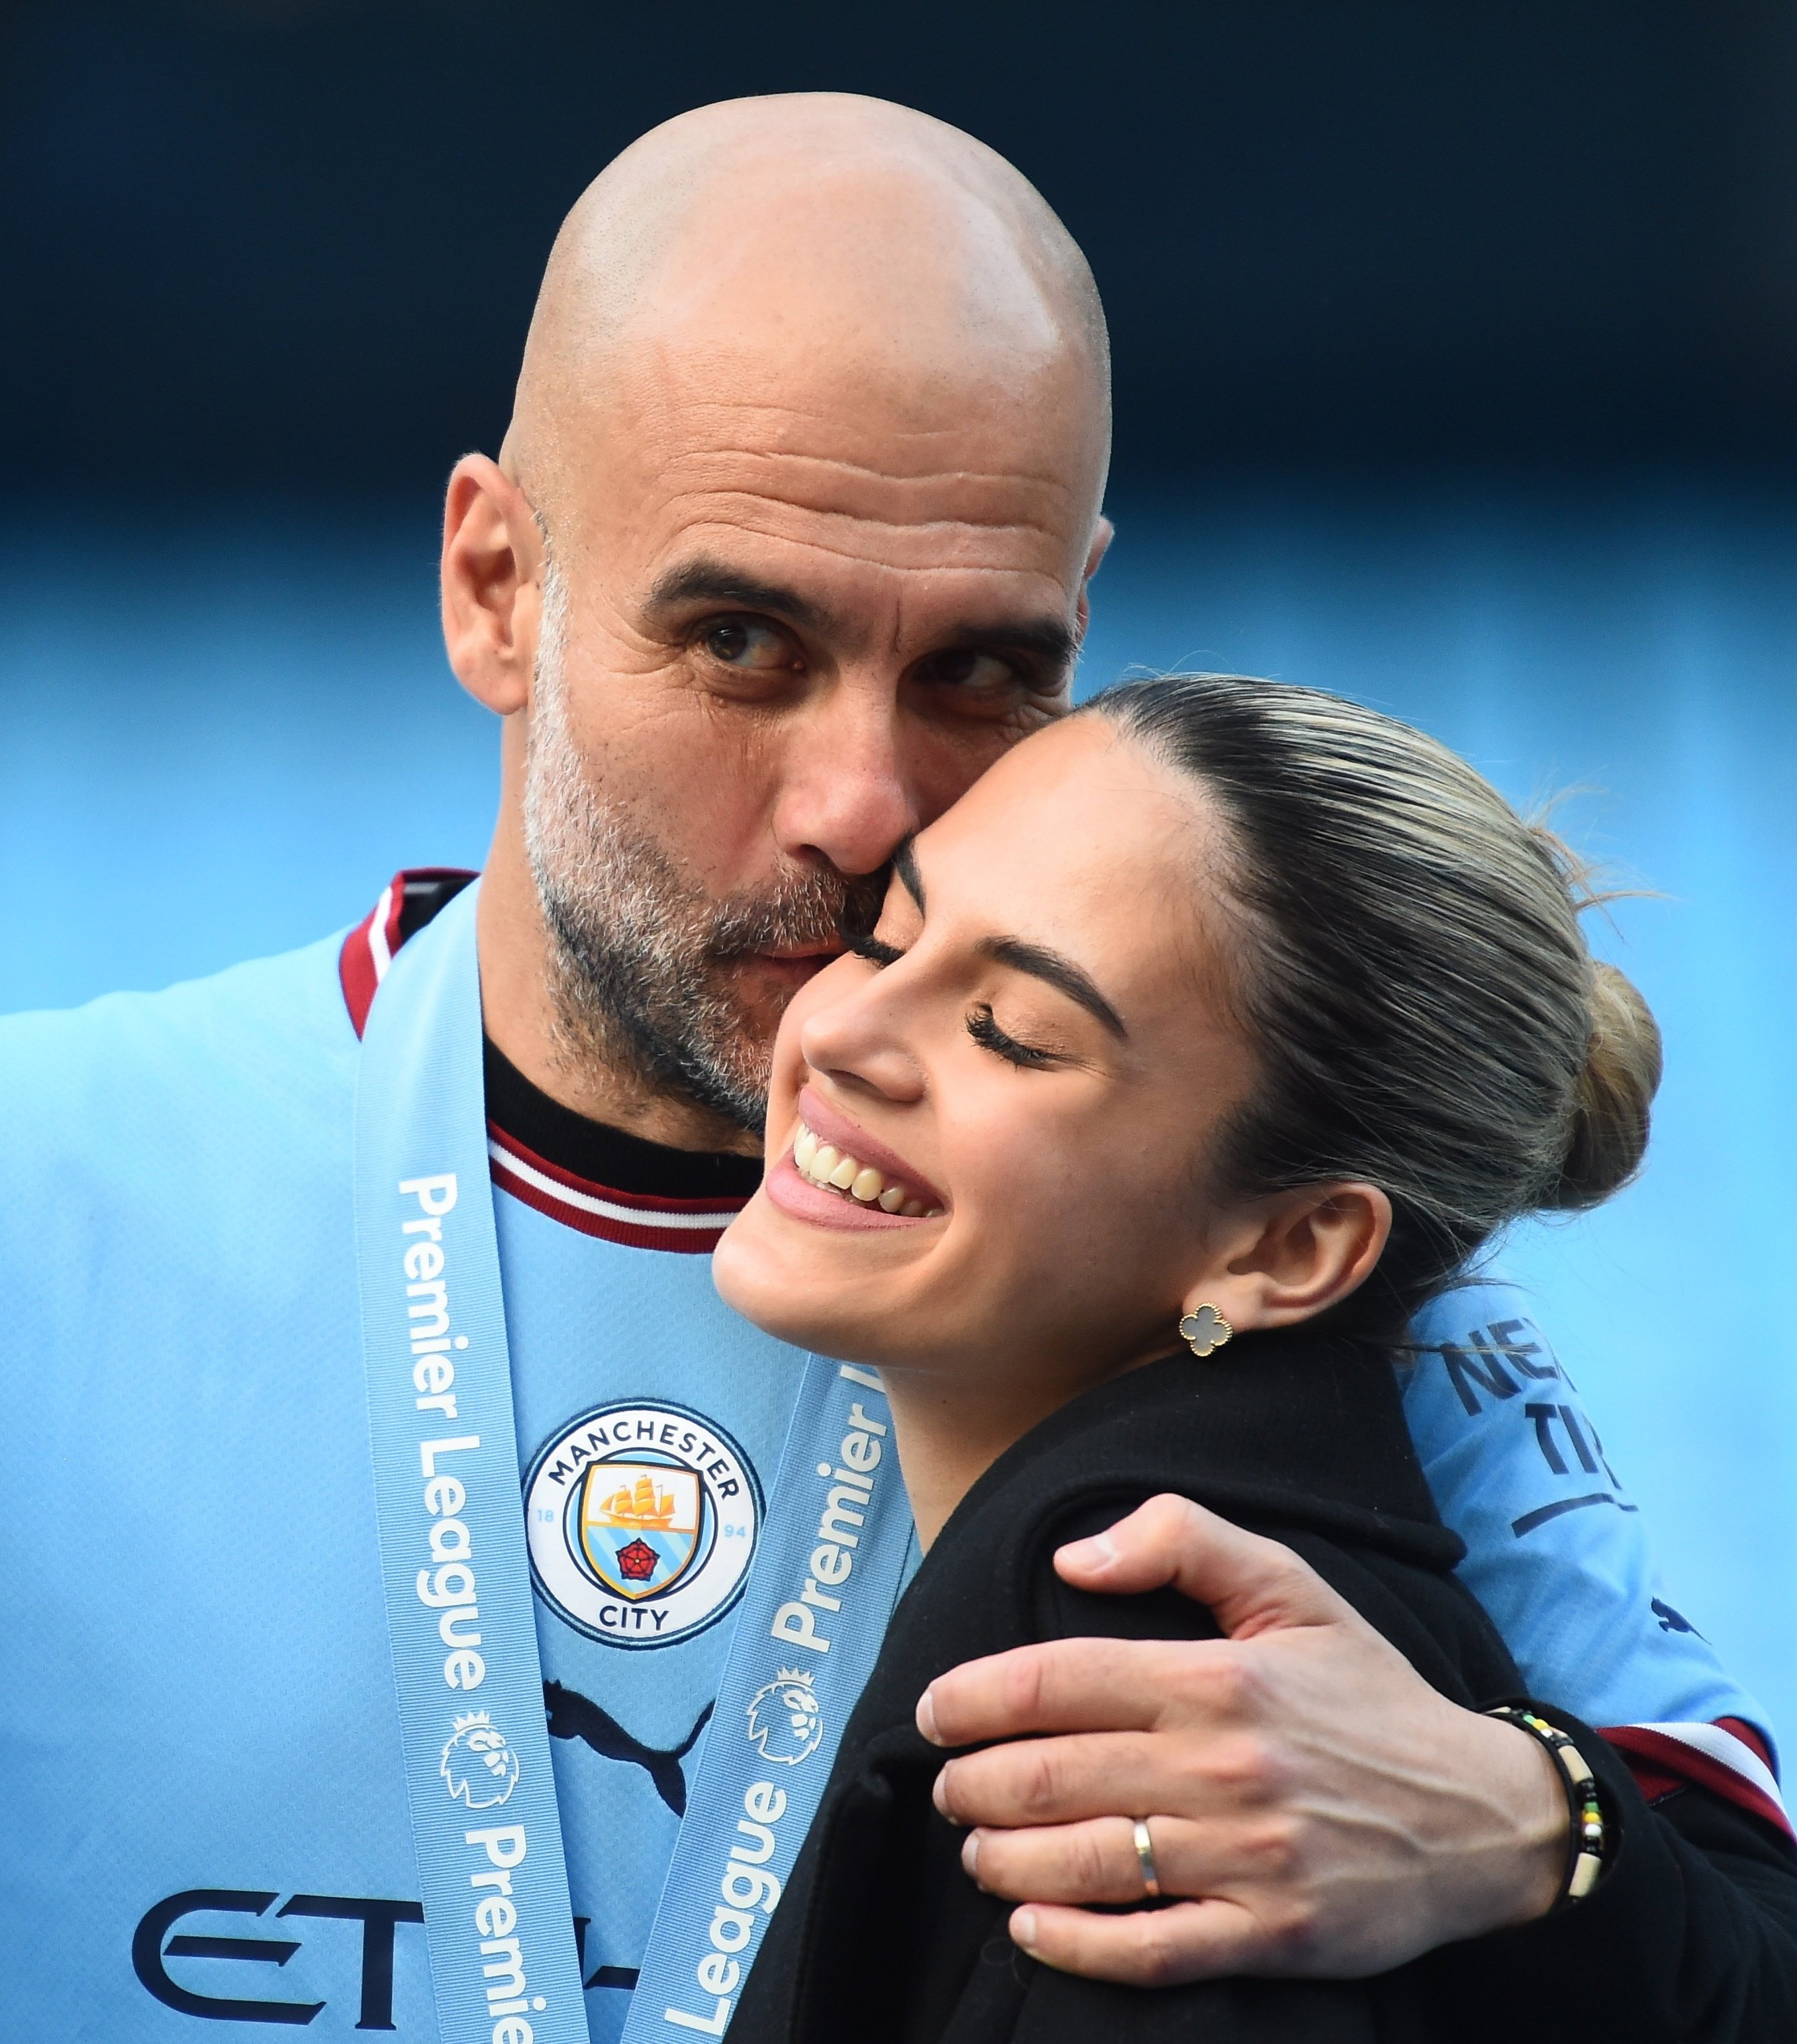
1296,1255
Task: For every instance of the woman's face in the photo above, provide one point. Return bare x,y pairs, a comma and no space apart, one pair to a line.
1019,1085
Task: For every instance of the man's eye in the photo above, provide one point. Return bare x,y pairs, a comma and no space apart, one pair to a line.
748,644
975,673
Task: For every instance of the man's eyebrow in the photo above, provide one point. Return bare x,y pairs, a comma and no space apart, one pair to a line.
1048,639
1058,972
707,580
904,864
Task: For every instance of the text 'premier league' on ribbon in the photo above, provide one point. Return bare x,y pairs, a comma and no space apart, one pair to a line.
834,1557
460,1620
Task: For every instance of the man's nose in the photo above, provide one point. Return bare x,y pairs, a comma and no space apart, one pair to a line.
847,792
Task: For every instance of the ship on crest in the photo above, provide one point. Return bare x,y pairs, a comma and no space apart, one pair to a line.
643,1504
640,1524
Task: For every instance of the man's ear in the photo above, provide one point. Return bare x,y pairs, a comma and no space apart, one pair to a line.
1102,534
492,584
1296,1255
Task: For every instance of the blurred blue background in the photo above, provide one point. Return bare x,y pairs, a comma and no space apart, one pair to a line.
1457,370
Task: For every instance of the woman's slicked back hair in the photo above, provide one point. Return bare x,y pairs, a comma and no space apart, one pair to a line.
1412,971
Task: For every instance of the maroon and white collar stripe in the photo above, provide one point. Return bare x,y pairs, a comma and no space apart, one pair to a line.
637,1220
1731,1758
368,949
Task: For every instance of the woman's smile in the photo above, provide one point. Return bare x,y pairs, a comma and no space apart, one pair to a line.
837,1175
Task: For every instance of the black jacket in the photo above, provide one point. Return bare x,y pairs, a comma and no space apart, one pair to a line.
882,1939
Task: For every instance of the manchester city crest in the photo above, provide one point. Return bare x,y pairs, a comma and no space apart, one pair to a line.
642,1520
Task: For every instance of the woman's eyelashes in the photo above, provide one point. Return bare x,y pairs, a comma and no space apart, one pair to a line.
982,1026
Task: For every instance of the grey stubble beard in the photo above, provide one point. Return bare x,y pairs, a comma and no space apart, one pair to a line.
639,952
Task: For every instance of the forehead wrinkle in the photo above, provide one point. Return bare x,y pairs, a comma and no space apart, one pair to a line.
732,421
787,473
980,419
945,495
935,568
854,470
772,503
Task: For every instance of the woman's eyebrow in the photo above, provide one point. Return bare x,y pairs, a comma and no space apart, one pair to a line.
1058,972
904,864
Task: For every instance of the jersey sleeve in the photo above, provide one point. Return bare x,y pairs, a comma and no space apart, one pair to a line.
1690,1936
1558,1555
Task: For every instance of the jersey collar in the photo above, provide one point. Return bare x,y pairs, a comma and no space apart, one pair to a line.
635,1220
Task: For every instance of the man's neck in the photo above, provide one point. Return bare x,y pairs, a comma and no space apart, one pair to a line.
598,1154
519,1007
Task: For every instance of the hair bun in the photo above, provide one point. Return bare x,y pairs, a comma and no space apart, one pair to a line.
1613,1100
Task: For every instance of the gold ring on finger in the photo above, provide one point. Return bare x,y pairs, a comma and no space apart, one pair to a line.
1145,1858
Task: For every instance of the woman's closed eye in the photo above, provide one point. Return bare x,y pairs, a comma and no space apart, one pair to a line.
983,1026
874,950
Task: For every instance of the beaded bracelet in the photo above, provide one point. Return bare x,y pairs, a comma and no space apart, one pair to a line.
1589,1843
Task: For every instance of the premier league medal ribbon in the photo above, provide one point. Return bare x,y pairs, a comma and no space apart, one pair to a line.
831,1562
497,1919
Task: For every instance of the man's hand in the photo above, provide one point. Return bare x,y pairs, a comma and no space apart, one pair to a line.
1326,1811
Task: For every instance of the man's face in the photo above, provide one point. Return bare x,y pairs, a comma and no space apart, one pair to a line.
791,618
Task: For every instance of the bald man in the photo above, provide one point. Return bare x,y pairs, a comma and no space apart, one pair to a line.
307,1266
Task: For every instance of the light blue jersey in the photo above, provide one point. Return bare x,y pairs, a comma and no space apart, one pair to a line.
1558,1555
640,1333
200,1726
199,1704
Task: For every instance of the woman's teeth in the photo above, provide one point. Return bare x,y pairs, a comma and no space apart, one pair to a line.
825,1165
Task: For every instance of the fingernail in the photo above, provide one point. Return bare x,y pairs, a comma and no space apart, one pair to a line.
939,1795
927,1718
1095,1552
970,1859
1023,1931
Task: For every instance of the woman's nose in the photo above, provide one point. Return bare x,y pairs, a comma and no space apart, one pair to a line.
860,1042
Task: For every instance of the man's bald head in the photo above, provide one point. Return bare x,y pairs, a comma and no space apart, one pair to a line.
814,417
829,254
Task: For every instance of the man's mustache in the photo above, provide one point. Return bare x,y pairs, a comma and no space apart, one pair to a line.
818,908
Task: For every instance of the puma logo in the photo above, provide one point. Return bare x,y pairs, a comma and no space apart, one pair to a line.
1673,1621
572,1715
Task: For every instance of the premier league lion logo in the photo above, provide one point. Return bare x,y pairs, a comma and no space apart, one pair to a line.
480,1769
785,1719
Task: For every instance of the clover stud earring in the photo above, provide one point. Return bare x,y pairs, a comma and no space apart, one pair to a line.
1205,1331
